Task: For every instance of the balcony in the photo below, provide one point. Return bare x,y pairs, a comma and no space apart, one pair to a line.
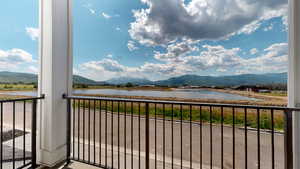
127,133
97,132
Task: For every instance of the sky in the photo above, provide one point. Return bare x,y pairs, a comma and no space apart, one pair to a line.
155,39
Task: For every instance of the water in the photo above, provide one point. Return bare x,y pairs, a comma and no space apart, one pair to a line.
20,93
178,93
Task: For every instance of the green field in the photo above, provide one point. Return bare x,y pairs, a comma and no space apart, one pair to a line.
205,116
275,94
193,113
9,87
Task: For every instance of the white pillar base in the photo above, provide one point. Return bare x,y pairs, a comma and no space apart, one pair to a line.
51,159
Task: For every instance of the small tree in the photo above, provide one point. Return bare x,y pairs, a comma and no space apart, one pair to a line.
129,85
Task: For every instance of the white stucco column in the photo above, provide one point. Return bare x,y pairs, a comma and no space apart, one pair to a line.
55,79
294,74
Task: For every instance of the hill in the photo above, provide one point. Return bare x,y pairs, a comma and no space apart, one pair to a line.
245,79
82,80
14,77
190,80
26,78
124,80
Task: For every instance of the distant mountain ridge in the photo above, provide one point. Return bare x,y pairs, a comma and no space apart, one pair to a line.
245,79
189,80
26,78
125,80
14,77
196,80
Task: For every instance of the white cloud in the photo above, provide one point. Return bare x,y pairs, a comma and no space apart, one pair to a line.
76,71
34,33
250,28
179,60
274,59
90,8
165,70
177,50
268,28
253,51
132,46
285,22
201,19
108,68
106,64
33,69
214,57
118,29
17,60
92,11
15,56
105,15
221,70
109,56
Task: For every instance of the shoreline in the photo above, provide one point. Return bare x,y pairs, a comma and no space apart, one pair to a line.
265,100
127,88
216,101
270,100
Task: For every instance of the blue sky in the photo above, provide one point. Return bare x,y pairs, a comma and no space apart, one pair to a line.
155,39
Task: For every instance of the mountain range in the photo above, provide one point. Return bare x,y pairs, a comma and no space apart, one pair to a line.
196,80
26,78
245,79
125,80
191,80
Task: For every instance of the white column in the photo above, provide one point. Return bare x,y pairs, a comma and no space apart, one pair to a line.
294,73
55,79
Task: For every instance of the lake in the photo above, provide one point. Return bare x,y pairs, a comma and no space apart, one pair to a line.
177,93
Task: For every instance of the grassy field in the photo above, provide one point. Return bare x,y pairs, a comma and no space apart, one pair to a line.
11,87
215,116
275,94
195,114
9,97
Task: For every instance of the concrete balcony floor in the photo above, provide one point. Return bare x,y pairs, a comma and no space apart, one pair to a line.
72,165
78,165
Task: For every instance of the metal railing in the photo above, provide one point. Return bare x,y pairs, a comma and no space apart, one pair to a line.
129,133
18,125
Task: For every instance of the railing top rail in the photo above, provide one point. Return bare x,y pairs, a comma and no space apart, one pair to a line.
22,99
183,103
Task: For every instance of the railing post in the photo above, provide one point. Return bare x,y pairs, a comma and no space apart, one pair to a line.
33,133
147,138
68,129
288,139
